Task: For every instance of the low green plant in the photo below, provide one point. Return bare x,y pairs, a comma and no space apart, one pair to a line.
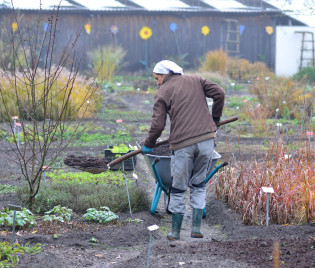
7,188
81,196
10,254
307,74
107,177
102,216
58,213
122,148
93,240
22,218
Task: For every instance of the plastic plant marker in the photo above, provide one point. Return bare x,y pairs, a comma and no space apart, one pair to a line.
151,229
268,190
136,177
15,209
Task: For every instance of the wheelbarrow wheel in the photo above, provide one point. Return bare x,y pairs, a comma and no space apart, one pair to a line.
167,201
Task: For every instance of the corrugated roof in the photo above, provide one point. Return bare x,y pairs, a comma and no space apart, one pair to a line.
161,4
224,4
100,4
240,6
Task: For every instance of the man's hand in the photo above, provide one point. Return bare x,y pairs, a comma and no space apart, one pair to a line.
146,150
216,120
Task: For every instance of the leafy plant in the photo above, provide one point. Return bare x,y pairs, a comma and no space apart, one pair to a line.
307,74
22,218
11,253
102,216
79,196
58,213
7,188
122,148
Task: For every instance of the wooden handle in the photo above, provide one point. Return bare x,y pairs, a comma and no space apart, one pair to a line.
131,154
232,119
128,155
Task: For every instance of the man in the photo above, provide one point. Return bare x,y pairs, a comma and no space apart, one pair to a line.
192,133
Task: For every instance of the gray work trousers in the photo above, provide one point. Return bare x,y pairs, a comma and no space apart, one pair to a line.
189,167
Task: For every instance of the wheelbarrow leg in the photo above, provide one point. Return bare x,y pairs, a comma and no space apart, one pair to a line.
156,198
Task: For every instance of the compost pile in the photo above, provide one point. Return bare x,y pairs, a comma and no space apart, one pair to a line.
87,163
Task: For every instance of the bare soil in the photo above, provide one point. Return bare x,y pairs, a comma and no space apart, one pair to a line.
227,242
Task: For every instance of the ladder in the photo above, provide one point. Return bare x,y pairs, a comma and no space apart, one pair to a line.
307,49
232,41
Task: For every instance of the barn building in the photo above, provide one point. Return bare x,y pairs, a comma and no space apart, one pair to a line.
175,29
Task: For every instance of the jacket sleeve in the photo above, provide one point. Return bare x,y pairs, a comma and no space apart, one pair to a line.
157,123
215,92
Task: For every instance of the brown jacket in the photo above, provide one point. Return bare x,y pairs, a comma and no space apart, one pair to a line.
183,98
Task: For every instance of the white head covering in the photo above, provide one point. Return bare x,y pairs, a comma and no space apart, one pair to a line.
167,66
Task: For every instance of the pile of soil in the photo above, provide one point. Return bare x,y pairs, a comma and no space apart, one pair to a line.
87,163
162,150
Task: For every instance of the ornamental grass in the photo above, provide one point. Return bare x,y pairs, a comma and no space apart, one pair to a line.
291,175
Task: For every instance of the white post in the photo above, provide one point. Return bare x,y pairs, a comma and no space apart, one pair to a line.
151,229
268,190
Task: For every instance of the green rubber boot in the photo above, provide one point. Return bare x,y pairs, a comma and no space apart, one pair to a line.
196,223
177,220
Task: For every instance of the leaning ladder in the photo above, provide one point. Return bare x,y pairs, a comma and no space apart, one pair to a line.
307,52
232,43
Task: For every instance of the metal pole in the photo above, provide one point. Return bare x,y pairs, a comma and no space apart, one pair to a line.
125,177
149,252
18,137
267,212
13,230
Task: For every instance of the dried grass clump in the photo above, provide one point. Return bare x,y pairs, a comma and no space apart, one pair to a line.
283,94
215,61
243,70
292,178
106,61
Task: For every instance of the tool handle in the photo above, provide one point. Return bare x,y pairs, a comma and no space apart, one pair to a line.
232,119
128,155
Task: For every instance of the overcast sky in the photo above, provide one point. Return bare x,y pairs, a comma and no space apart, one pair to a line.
303,10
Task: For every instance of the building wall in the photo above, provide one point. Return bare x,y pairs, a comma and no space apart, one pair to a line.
288,49
255,43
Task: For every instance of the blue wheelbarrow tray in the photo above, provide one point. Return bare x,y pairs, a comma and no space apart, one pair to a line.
160,168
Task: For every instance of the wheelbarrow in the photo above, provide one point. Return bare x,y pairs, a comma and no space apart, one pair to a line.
160,168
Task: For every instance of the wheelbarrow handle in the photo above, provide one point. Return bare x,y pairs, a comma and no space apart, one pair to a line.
131,154
232,119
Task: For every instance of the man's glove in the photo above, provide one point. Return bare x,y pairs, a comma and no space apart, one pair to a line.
216,120
146,150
